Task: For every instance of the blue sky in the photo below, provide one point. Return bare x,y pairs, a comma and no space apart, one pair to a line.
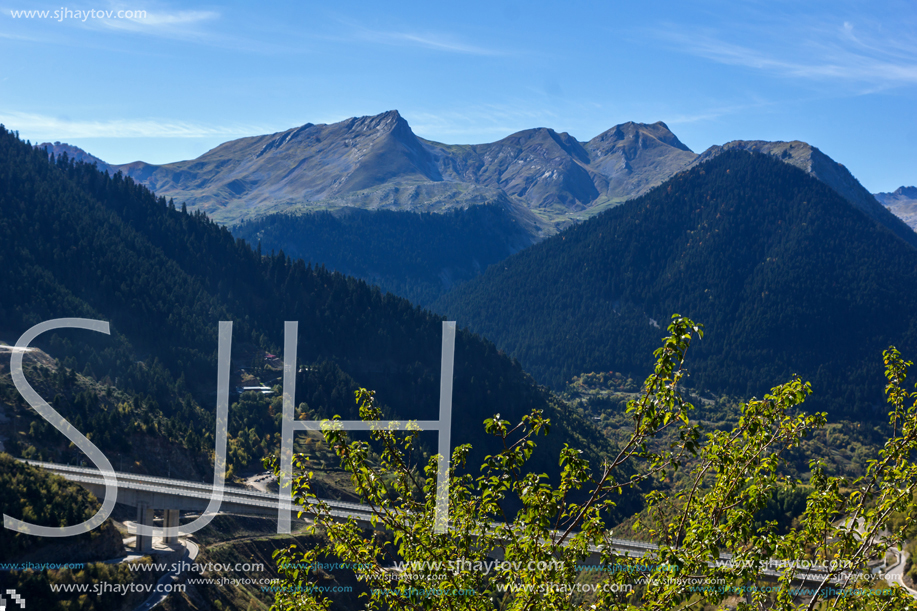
839,75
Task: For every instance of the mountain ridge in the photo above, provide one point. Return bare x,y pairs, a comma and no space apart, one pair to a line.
89,244
76,153
547,179
375,162
813,161
902,202
787,275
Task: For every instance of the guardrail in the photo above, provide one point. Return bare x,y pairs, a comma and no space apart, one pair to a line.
339,509
184,488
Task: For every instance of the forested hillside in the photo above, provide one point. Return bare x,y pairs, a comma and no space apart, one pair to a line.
48,500
787,276
77,242
416,256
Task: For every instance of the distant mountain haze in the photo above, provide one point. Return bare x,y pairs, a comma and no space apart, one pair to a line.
902,202
418,256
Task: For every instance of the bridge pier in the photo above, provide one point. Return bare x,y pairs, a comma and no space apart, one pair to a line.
170,521
144,543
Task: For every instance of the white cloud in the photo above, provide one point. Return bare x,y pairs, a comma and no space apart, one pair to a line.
842,53
435,41
179,18
151,18
43,127
162,22
717,111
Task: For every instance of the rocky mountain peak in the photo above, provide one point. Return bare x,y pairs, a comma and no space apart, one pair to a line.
389,120
902,203
658,131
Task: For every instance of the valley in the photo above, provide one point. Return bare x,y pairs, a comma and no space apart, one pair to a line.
561,283
494,306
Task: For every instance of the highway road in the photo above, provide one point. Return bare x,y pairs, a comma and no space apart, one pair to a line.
191,496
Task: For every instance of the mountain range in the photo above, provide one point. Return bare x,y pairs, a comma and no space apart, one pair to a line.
378,162
77,242
544,179
903,202
812,161
787,276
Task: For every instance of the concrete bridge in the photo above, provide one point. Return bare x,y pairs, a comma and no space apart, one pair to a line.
148,493
172,496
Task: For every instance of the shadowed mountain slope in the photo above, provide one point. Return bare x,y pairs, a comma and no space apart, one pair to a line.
416,256
811,160
76,242
787,276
